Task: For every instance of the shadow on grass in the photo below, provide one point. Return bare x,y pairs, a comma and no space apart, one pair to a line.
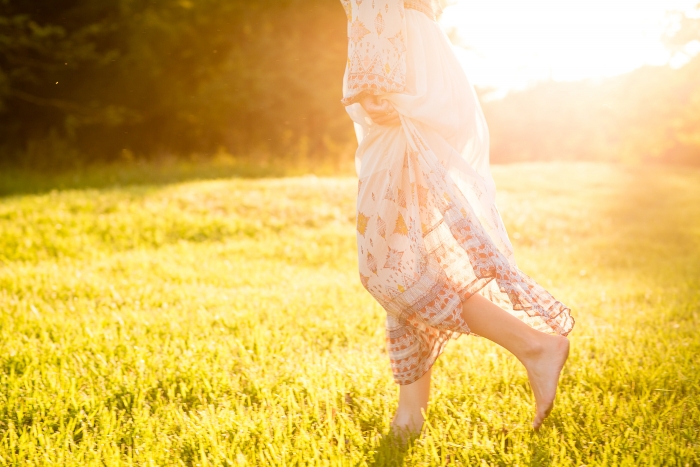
539,450
30,181
392,450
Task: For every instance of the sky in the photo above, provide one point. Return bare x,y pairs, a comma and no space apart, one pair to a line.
510,44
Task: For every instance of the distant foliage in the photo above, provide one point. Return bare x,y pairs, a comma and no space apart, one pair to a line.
100,81
125,77
649,115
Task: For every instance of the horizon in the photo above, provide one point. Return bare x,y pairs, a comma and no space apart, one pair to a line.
508,47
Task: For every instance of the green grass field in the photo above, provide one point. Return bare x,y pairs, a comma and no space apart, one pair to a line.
222,322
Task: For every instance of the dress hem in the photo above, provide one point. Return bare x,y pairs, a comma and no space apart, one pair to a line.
440,345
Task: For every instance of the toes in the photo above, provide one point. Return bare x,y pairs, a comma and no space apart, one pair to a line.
540,417
537,423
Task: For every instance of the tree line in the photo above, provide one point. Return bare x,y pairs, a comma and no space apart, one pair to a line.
84,81
651,114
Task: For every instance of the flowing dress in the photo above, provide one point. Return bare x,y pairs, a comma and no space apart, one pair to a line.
429,234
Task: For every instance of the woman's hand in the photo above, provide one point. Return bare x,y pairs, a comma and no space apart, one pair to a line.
381,112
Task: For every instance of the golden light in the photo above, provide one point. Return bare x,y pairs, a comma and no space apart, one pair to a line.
512,43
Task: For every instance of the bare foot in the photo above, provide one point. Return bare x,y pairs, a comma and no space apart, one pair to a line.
402,436
407,424
543,368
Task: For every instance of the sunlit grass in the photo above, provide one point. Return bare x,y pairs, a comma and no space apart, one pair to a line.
223,323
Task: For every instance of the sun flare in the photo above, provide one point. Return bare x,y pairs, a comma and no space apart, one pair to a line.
511,43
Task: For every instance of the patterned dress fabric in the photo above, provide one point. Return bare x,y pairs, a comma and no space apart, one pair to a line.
429,234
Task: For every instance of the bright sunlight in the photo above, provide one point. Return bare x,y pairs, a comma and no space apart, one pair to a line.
510,44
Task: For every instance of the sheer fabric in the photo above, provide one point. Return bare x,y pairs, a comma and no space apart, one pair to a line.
376,48
429,234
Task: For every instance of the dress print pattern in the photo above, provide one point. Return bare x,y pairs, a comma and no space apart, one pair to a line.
429,234
376,47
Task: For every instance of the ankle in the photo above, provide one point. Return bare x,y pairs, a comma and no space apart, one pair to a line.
541,344
533,347
410,421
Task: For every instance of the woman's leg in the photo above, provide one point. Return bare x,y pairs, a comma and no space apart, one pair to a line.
543,355
413,402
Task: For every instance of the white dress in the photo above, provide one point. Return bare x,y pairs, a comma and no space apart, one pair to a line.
429,234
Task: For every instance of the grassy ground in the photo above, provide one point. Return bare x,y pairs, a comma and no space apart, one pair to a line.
223,323
23,181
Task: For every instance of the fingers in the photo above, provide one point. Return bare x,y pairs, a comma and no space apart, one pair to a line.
387,119
384,106
381,112
385,114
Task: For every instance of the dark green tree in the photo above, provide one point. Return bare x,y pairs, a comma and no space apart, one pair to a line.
169,76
